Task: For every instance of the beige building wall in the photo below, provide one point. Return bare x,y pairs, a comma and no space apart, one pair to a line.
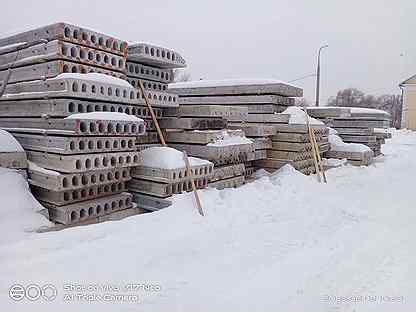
409,104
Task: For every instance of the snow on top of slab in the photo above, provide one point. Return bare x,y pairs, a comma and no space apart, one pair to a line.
105,116
8,144
33,166
225,83
96,77
298,116
353,110
363,110
11,47
338,145
168,158
227,139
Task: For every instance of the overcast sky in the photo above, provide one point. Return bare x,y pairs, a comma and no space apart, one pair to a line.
372,43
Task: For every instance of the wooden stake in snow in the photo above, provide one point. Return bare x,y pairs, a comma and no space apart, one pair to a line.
191,176
314,151
318,154
159,132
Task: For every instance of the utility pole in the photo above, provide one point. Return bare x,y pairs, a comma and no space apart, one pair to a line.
318,74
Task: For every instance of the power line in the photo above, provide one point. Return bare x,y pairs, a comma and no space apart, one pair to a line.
303,77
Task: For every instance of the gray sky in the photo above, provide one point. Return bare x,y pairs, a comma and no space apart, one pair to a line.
372,43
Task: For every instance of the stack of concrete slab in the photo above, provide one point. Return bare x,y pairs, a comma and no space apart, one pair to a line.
51,50
263,100
163,173
153,66
354,124
207,138
79,166
291,145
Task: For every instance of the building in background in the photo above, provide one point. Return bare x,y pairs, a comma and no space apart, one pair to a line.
409,103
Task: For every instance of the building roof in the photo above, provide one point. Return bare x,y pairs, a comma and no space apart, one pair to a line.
410,80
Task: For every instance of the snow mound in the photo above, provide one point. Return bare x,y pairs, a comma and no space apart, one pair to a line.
19,209
225,83
298,116
227,139
96,77
338,145
105,116
8,144
168,158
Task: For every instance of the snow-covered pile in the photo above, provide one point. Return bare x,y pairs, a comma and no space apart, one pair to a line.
96,77
281,243
298,116
168,158
105,116
19,209
225,83
226,139
337,145
364,111
8,144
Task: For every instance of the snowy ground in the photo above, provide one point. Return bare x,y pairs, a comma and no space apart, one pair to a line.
282,243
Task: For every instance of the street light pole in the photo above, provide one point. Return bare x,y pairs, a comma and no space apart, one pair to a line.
318,74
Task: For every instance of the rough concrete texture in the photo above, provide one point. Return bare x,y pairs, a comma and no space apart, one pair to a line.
240,100
328,112
291,146
155,56
75,145
52,69
148,84
227,171
255,129
299,128
230,113
66,107
164,190
80,163
278,88
190,123
357,123
61,198
358,138
268,118
365,157
199,137
71,181
13,160
171,175
71,127
262,143
91,209
87,90
296,137
69,33
136,70
61,50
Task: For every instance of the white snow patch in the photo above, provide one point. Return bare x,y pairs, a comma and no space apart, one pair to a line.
11,47
333,162
298,116
338,145
33,166
8,144
282,243
96,77
19,209
105,116
226,139
168,158
225,83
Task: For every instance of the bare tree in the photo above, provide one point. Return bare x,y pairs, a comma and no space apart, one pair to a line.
352,97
